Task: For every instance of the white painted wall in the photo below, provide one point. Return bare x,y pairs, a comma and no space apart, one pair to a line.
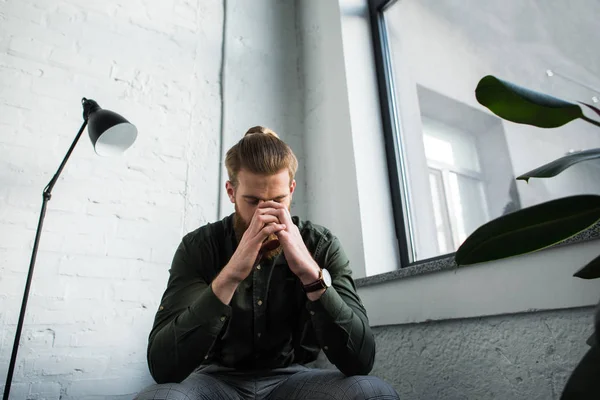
348,188
376,213
332,186
113,224
534,282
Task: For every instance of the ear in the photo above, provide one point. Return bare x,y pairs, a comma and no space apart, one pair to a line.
230,191
292,186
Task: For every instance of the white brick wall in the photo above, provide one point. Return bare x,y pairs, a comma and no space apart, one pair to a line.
113,224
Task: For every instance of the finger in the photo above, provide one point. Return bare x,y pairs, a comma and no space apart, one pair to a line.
283,236
271,229
261,210
267,219
259,219
264,210
271,204
254,230
271,211
283,215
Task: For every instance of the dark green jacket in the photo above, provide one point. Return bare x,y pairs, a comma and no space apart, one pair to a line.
270,323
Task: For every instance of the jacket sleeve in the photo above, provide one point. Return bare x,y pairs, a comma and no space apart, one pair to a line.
188,320
339,317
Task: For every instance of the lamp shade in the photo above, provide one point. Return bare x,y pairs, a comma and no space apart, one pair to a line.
110,133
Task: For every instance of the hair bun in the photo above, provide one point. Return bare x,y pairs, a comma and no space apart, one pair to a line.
261,129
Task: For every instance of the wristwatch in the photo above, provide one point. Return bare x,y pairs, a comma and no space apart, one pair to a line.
323,282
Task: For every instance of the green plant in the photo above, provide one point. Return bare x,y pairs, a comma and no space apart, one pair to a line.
534,228
546,224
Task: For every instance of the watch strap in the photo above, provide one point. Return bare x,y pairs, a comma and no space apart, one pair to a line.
316,285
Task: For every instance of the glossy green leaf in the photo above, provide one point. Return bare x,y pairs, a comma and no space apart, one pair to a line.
557,166
590,271
593,108
517,104
530,229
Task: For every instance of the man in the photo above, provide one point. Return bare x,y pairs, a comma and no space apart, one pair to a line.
255,296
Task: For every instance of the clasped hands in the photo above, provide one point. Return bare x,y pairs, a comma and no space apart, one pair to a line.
270,218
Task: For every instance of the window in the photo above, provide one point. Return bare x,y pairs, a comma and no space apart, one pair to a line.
457,191
452,164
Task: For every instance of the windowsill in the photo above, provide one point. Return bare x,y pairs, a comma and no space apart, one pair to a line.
446,262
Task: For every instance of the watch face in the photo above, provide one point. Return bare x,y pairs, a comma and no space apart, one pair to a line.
326,278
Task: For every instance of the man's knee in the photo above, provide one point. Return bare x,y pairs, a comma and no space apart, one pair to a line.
168,391
371,387
197,386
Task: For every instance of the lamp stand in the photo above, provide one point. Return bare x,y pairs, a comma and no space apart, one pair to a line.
47,194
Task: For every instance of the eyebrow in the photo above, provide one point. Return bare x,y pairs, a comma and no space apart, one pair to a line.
258,198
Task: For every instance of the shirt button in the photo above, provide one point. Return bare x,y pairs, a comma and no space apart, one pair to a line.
312,313
325,348
161,308
206,357
258,267
258,334
223,318
259,302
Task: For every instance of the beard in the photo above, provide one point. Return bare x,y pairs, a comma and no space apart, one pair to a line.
270,248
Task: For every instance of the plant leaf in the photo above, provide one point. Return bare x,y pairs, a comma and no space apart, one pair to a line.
590,271
594,109
530,229
517,104
559,165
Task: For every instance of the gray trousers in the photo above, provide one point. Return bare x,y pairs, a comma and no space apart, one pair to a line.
292,383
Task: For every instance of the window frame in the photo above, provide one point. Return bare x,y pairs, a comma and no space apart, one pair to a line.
443,204
394,157
390,125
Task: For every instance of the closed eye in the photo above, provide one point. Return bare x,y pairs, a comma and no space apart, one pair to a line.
254,200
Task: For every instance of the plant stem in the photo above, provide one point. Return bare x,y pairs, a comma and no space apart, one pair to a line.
591,121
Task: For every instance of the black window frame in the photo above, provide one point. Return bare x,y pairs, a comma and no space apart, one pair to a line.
392,140
390,125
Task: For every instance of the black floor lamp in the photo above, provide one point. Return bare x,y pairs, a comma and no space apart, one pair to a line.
111,134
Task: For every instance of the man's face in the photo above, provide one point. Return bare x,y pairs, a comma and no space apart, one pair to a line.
253,189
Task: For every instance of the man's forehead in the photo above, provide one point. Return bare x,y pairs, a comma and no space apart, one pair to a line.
254,182
281,176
